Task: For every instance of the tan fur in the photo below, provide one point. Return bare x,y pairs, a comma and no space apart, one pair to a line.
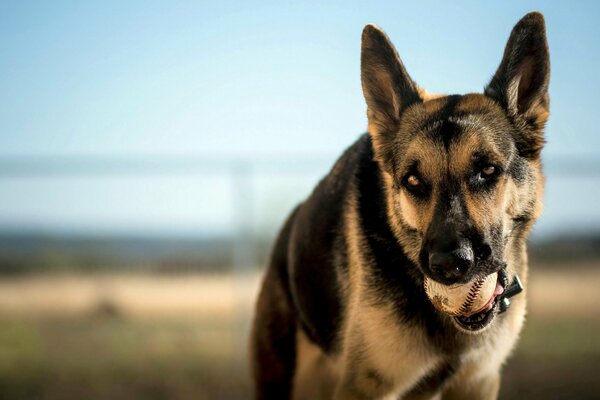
400,209
401,364
316,374
409,211
425,95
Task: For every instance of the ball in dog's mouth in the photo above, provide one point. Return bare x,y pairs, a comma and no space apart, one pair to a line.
486,314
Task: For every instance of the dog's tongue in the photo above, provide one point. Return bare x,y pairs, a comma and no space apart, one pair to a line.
497,292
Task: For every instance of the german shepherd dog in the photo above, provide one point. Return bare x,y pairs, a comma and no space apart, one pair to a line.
444,187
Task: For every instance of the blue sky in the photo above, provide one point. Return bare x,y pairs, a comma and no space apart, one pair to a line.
245,78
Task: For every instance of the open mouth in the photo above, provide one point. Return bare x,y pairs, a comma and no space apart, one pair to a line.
486,314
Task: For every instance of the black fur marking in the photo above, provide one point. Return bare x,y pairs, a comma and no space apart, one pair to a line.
443,128
451,229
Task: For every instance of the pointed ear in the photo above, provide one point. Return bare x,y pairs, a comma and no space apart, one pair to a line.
520,84
386,86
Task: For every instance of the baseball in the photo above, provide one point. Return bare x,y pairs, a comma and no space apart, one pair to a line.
461,299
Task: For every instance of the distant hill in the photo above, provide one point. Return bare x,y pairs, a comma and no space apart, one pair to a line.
565,249
48,253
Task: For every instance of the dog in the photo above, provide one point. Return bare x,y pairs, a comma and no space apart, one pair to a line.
444,187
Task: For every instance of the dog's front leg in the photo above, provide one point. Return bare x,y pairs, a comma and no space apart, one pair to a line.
484,387
273,341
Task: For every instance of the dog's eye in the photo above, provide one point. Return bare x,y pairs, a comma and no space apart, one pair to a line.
413,181
415,185
488,171
487,174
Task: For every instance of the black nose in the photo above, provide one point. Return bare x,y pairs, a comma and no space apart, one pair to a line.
450,266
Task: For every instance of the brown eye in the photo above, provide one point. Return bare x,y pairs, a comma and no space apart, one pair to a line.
488,171
413,181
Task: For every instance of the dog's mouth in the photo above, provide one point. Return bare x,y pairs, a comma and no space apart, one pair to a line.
486,314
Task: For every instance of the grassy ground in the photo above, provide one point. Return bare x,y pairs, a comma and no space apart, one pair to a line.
101,358
124,337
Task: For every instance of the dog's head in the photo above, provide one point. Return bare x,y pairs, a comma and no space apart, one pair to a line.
463,174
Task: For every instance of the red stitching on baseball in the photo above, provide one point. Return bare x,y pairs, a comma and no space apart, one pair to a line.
471,296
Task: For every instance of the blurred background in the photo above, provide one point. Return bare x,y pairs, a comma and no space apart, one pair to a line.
149,152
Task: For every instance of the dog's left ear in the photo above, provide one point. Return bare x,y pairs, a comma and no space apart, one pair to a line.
521,82
387,87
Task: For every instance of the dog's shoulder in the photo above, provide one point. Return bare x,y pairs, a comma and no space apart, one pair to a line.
316,256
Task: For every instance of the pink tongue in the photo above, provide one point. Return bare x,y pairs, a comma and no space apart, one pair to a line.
499,289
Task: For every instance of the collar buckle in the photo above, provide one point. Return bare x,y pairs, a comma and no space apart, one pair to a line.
512,290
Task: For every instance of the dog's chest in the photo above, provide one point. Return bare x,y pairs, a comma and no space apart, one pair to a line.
399,353
405,357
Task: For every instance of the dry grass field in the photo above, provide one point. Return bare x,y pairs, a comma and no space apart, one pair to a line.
184,337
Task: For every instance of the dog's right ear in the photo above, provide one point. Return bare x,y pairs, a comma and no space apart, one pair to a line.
387,87
520,84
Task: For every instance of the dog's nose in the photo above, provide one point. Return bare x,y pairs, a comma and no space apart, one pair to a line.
450,266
